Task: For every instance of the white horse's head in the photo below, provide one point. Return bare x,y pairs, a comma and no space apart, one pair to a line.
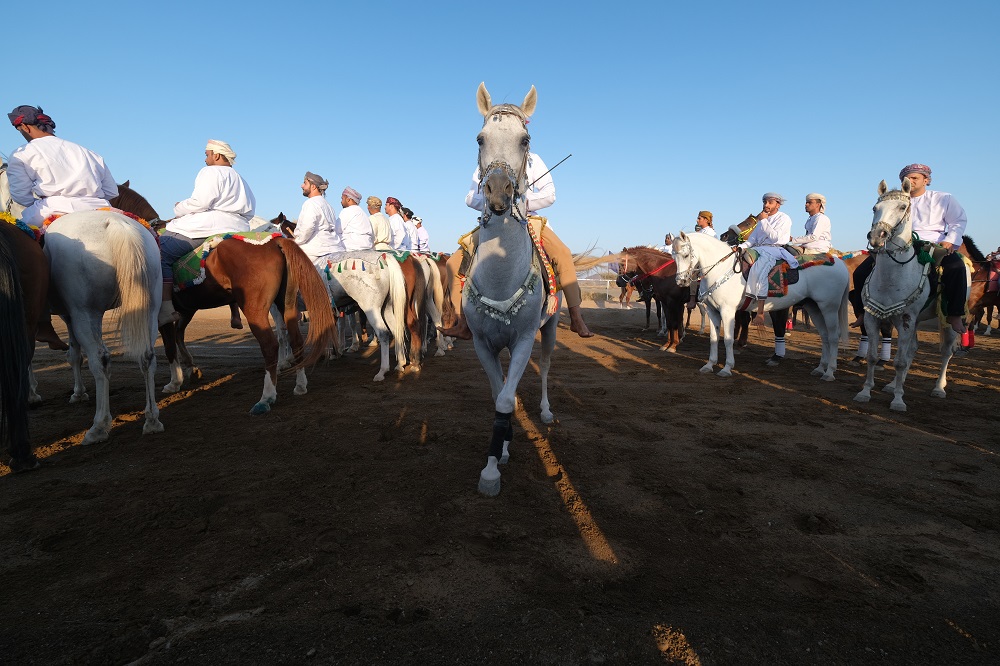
7,203
891,221
504,143
686,259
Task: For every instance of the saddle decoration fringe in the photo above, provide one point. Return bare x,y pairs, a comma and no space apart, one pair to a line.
185,266
552,305
381,262
34,232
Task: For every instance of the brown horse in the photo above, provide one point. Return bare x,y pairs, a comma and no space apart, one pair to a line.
416,294
253,277
648,268
21,301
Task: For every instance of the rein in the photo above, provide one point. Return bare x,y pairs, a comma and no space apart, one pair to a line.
516,178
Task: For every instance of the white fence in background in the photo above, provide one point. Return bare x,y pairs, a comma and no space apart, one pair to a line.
599,290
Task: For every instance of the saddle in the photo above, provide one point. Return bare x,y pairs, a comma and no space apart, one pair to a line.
778,279
189,270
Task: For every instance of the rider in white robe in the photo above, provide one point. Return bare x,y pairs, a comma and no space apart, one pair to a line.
380,224
772,232
355,227
316,229
400,240
818,237
423,238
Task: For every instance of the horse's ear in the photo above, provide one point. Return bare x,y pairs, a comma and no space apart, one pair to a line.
530,100
483,99
907,185
883,188
683,236
126,183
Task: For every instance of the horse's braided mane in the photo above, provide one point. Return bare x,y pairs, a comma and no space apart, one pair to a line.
129,199
974,252
506,110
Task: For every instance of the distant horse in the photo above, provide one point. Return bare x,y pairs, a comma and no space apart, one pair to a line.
103,260
899,290
33,272
252,276
657,270
504,299
983,294
15,357
822,290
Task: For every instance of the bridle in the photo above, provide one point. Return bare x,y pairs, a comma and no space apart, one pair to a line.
891,229
518,179
690,274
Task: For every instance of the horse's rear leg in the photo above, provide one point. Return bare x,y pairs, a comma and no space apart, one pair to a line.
545,362
260,326
148,366
75,357
291,317
85,336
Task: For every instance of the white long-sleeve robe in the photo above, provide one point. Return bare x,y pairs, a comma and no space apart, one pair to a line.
819,235
767,238
221,202
356,229
937,217
316,230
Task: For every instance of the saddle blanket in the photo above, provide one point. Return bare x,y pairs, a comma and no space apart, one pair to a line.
34,232
783,275
993,281
189,270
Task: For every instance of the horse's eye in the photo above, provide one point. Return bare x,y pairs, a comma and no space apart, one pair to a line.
525,141
479,139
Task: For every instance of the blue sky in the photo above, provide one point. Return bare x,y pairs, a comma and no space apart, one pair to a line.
668,108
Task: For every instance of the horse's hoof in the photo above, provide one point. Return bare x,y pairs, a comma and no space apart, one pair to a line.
816,372
505,458
34,400
857,361
862,397
774,360
897,406
171,388
380,377
829,378
938,393
95,437
196,373
260,408
150,427
547,417
373,343
725,373
439,352
79,397
489,487
889,388
706,369
300,390
24,465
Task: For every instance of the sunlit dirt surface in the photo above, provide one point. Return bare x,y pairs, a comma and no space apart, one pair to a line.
666,517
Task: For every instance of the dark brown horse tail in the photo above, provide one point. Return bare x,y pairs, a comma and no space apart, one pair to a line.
15,359
322,326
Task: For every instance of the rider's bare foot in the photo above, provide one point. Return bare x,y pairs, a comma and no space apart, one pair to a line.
577,324
167,315
856,323
957,323
459,330
758,320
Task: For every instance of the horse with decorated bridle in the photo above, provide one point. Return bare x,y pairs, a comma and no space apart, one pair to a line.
899,291
650,269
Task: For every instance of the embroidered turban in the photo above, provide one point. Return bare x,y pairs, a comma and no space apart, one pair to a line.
29,115
706,214
352,194
320,183
818,197
417,220
773,195
374,202
914,168
393,201
221,148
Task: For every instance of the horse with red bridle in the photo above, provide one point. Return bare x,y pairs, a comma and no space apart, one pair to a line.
648,268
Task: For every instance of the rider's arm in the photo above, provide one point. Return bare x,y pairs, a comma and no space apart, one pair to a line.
955,221
543,193
474,199
20,177
204,197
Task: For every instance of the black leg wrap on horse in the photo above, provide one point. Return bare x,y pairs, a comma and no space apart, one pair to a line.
503,429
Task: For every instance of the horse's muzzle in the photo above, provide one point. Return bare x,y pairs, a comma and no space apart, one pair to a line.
498,191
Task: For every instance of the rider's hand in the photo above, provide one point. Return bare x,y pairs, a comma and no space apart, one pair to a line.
949,246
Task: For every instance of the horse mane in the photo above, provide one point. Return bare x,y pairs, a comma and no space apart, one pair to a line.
648,256
130,200
974,252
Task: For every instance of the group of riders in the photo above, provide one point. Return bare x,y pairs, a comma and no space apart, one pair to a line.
938,220
50,176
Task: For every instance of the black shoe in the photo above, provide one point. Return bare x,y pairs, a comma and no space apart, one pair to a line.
857,361
881,363
774,360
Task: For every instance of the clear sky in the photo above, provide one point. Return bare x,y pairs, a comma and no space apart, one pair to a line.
668,108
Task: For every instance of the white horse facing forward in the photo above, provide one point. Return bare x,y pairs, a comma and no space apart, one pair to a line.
898,290
101,260
822,291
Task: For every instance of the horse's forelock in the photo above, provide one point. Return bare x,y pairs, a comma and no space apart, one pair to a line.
506,110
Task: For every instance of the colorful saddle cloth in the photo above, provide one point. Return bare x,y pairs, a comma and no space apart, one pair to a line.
993,281
783,275
189,270
34,232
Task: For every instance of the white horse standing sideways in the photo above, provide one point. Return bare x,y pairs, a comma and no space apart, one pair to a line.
504,298
898,291
103,260
822,290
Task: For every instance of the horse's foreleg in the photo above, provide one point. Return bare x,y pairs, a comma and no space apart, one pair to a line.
729,321
715,323
75,356
261,329
870,324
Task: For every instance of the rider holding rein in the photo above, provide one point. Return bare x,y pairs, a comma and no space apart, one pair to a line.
768,238
221,203
52,176
542,194
702,225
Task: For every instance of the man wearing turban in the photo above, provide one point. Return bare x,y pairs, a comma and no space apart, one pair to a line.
222,202
542,194
400,239
937,217
703,225
380,224
411,228
50,176
316,229
355,227
423,238
819,236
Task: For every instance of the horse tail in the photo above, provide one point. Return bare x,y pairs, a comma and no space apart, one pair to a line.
397,300
585,261
322,326
15,357
845,336
437,288
137,284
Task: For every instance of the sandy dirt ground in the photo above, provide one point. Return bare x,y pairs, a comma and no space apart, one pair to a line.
666,517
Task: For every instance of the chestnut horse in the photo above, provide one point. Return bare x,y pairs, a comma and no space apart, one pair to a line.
254,277
33,271
649,268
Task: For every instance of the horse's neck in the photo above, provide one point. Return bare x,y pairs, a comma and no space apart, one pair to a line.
503,259
709,253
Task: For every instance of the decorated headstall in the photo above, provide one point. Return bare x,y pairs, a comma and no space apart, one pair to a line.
518,179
